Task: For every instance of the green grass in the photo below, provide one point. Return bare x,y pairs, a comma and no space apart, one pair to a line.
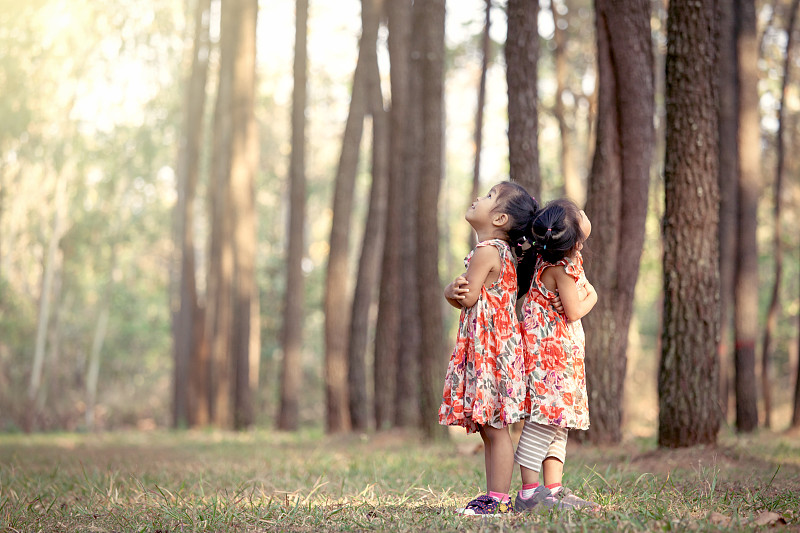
265,481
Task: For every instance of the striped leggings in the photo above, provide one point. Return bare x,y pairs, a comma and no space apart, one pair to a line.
538,442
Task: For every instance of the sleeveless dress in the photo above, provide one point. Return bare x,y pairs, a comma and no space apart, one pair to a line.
485,380
555,351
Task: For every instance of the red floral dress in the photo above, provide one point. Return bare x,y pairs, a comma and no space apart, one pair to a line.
555,350
485,381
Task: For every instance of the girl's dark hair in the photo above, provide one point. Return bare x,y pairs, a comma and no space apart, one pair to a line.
557,230
521,209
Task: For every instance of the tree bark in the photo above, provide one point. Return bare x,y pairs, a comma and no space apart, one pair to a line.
522,57
190,403
388,378
292,365
687,379
337,296
372,249
746,274
617,201
429,288
219,292
244,163
728,200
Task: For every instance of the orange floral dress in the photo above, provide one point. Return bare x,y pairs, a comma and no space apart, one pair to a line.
555,351
485,380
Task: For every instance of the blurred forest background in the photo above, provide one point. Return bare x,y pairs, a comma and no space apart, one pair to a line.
100,112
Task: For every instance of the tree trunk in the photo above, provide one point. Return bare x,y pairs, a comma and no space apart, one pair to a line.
372,249
190,405
728,200
617,201
337,296
49,274
777,238
476,169
573,188
387,379
244,164
292,366
746,274
429,287
522,57
687,379
219,304
101,328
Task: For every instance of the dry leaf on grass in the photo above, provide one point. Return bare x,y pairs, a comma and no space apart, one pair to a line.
768,518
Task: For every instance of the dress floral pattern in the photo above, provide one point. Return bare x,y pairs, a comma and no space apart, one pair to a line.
555,351
485,380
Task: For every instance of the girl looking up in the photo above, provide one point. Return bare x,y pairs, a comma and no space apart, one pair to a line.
484,389
554,342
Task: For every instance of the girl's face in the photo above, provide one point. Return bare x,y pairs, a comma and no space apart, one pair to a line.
482,209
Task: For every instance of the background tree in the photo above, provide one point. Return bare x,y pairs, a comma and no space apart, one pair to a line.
291,369
728,88
409,388
746,273
687,378
617,201
368,277
190,393
337,296
773,308
522,58
430,15
231,339
387,378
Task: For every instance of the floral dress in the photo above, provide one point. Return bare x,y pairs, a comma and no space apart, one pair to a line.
555,350
485,380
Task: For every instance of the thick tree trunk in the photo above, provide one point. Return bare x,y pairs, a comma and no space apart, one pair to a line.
244,164
687,380
617,201
292,366
746,275
728,199
337,295
190,403
387,379
522,57
371,249
432,349
219,294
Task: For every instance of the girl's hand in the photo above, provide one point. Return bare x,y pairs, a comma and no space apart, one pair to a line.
557,305
456,291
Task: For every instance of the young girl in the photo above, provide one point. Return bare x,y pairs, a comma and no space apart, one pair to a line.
485,388
554,342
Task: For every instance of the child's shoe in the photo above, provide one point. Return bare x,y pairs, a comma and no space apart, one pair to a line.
541,501
485,505
568,500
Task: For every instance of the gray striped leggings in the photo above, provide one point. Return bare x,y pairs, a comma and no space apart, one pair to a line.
538,442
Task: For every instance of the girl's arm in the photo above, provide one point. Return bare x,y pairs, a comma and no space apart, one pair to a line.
484,269
575,306
455,291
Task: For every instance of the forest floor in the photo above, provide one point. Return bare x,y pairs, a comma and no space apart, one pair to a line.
161,481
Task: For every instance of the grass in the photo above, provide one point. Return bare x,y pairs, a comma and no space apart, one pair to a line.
264,481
